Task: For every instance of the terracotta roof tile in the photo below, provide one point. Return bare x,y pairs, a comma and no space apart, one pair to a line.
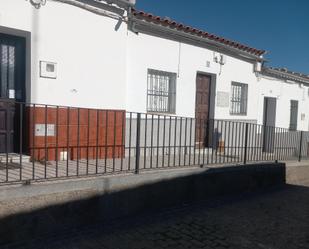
173,24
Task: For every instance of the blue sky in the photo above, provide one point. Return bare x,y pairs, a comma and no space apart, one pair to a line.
280,27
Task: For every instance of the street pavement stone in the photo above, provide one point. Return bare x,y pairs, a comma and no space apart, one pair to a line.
275,219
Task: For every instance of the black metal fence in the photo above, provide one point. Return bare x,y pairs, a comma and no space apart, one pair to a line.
40,142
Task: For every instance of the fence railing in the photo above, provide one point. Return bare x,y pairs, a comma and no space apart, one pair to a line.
40,142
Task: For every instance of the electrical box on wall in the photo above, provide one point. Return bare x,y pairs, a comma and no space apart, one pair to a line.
48,69
63,155
42,130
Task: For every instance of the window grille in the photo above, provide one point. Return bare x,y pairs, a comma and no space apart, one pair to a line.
7,70
161,91
239,97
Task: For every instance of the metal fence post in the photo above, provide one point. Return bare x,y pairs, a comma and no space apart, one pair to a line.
138,149
246,143
300,146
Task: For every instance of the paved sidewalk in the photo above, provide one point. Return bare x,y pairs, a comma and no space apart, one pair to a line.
278,219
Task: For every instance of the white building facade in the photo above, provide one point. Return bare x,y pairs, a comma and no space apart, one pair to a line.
236,76
106,55
87,44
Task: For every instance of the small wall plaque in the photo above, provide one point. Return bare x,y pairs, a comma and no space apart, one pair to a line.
223,99
48,69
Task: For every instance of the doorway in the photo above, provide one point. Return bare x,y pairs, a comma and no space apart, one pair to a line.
269,122
202,108
12,89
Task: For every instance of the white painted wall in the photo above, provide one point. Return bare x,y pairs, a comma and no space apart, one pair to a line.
103,68
284,92
91,55
145,51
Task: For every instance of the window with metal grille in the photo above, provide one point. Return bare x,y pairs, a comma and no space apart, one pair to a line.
239,97
161,91
7,70
293,115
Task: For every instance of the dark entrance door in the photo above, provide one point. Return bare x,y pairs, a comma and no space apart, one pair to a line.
270,105
12,88
201,108
293,115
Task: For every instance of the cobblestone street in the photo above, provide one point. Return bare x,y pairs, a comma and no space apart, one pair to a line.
277,219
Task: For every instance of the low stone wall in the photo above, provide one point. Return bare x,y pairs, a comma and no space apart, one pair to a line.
48,207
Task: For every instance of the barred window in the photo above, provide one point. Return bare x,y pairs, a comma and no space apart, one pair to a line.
239,97
161,91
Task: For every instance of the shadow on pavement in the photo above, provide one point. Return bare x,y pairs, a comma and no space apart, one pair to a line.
101,209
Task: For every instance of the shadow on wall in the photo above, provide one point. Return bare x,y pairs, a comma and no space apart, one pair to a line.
147,198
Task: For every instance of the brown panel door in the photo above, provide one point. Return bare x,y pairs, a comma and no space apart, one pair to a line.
201,108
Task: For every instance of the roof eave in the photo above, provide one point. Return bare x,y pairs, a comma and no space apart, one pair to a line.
138,24
284,75
120,3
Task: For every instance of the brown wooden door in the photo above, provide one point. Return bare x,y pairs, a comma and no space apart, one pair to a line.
201,108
